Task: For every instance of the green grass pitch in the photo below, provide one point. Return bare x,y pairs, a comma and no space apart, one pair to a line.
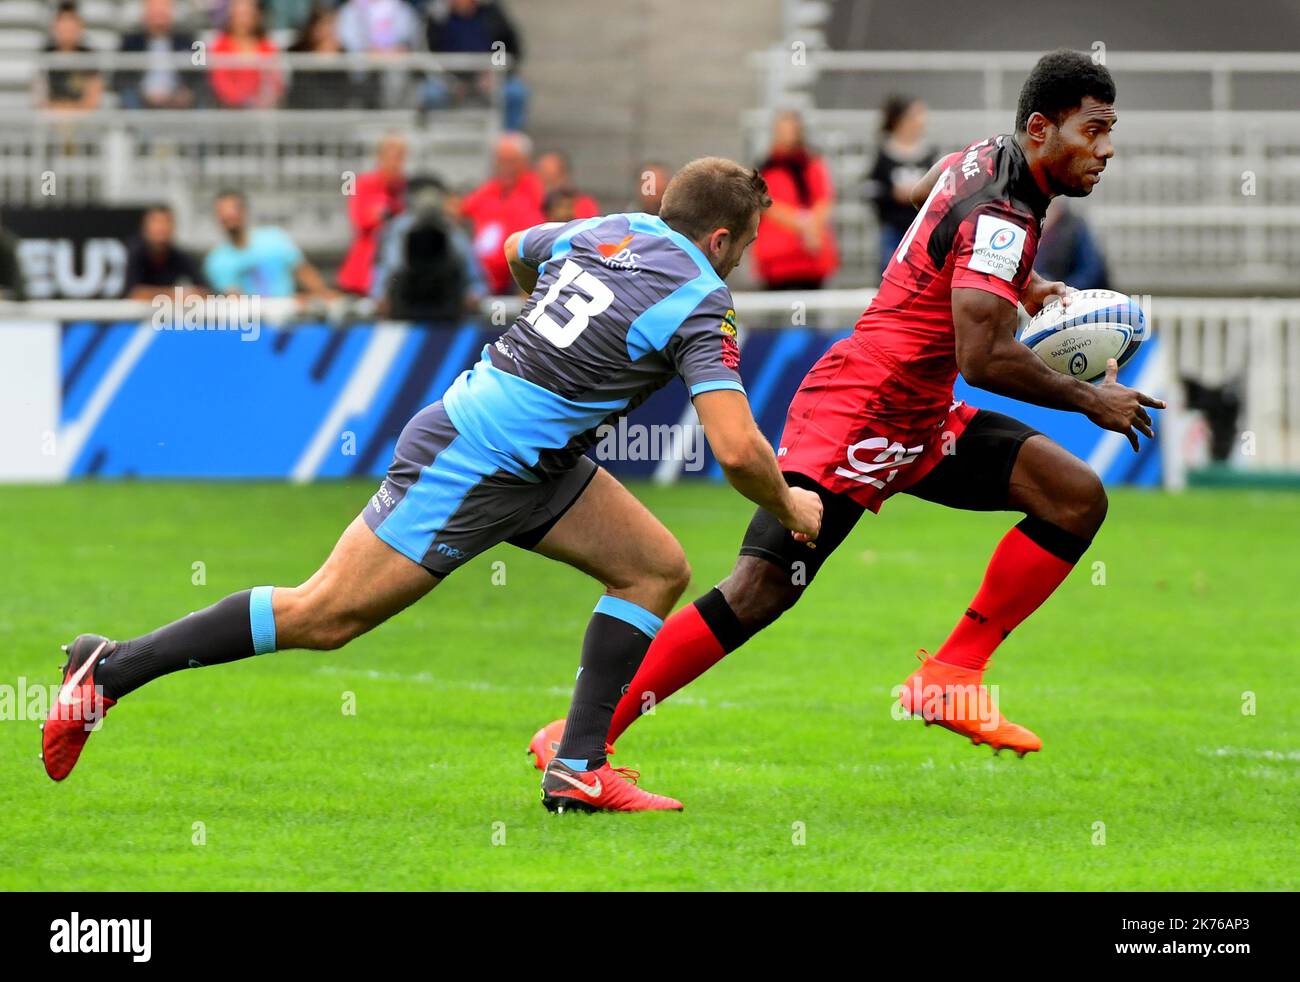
793,772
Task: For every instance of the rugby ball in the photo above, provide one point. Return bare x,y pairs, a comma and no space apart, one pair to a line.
1078,338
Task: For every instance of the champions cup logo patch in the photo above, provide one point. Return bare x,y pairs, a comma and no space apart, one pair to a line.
997,248
1002,239
728,325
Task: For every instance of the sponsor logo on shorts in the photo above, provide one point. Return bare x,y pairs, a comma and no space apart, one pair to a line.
383,498
879,470
451,552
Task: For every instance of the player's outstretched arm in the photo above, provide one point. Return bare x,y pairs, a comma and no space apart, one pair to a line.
750,465
989,356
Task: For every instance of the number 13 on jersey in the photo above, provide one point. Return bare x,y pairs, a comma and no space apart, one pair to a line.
587,298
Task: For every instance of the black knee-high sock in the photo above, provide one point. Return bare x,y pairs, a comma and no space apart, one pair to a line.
221,633
611,653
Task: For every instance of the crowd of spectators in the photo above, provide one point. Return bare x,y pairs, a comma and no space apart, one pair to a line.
260,30
419,247
404,221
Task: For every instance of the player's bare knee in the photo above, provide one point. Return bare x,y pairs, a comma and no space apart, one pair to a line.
334,633
664,583
311,616
1078,504
677,577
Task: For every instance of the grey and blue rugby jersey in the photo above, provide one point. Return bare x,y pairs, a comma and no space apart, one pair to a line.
623,303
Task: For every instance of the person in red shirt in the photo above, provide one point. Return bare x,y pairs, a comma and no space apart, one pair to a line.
876,415
795,249
553,168
379,195
245,88
508,202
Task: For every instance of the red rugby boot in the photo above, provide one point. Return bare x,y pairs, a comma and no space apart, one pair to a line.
957,699
77,710
546,744
602,790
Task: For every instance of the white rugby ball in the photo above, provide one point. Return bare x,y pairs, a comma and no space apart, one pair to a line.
1078,338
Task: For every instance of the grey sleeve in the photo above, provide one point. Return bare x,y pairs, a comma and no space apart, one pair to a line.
537,243
704,350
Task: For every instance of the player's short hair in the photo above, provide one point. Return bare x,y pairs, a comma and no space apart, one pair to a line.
712,193
230,193
1058,84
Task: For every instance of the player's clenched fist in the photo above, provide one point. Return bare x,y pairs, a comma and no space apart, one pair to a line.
804,515
1120,408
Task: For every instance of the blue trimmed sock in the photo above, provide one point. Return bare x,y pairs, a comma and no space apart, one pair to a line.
239,626
617,638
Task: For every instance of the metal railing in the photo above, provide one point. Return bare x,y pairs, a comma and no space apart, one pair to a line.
291,162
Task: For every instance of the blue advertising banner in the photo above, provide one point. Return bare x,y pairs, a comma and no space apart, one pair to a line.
316,402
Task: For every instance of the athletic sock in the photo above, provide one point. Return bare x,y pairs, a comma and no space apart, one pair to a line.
240,626
616,640
1028,565
692,641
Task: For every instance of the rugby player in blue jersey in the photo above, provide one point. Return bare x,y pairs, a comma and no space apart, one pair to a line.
618,306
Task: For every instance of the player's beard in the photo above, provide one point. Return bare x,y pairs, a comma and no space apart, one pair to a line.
1072,183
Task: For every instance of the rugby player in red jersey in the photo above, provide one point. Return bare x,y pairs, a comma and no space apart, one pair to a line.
876,415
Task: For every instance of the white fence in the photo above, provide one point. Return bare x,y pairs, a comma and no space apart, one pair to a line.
1251,345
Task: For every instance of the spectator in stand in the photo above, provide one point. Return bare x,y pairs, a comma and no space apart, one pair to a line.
162,85
795,248
13,285
378,26
902,160
1067,251
652,178
261,261
554,172
325,88
560,205
507,202
155,264
427,268
379,195
70,88
474,27
245,88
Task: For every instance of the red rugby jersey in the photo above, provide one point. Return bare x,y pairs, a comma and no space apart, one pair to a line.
979,228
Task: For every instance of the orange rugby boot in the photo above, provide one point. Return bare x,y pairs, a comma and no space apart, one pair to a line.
957,699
